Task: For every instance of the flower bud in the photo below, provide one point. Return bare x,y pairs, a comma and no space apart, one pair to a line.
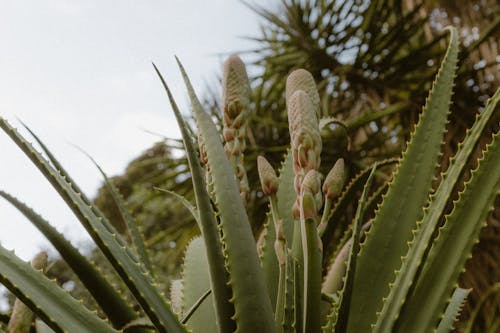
311,182
310,189
267,175
235,86
304,131
301,79
39,262
334,182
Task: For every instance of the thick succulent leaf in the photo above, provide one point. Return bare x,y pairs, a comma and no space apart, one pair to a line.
47,300
196,281
41,327
218,275
312,276
253,310
423,236
453,310
55,162
289,298
106,238
339,315
142,323
346,292
130,221
452,246
120,202
386,242
286,196
269,261
110,301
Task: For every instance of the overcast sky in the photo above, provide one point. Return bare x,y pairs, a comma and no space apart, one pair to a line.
79,72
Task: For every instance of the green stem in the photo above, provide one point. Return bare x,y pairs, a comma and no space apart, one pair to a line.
312,248
281,254
324,218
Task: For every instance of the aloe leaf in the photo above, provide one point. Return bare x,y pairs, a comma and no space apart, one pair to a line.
286,196
269,261
110,301
21,317
298,293
61,170
253,310
41,327
312,275
130,221
55,162
419,246
196,281
339,316
128,267
185,202
386,242
142,323
48,301
453,310
218,274
453,244
288,310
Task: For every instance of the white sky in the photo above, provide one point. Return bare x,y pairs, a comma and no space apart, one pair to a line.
80,72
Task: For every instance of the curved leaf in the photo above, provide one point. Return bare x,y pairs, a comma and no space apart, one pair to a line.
453,310
413,260
218,274
137,279
47,300
386,242
253,310
110,301
453,245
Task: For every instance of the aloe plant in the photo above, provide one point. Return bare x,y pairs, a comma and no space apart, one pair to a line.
396,272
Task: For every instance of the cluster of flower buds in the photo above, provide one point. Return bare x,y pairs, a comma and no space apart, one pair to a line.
303,110
236,94
301,79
